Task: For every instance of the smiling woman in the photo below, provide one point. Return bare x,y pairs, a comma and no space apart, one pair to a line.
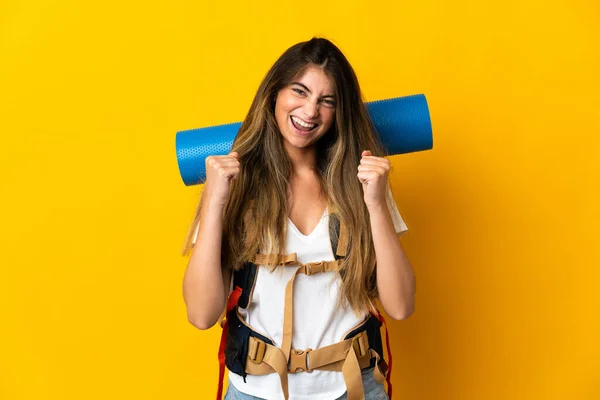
300,213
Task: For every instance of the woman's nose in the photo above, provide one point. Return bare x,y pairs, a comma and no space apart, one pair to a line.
311,109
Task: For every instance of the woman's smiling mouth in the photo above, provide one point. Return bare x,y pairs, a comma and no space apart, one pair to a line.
302,125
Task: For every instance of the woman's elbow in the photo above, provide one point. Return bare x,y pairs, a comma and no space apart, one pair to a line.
403,312
201,322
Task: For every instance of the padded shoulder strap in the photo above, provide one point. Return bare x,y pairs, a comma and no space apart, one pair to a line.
338,236
245,279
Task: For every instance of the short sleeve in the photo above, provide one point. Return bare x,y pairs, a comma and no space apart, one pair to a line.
399,224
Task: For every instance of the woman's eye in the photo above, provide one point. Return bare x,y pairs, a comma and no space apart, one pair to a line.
299,91
329,102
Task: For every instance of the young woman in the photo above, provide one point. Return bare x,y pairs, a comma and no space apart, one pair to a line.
300,220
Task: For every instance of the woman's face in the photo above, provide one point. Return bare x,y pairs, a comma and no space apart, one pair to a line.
305,109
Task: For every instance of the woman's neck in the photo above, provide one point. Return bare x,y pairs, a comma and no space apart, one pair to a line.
303,161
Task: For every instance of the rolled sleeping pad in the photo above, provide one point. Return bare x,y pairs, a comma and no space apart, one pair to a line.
403,124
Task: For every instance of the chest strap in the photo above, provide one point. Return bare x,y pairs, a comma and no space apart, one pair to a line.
287,259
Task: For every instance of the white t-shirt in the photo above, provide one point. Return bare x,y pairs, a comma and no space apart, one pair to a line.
317,321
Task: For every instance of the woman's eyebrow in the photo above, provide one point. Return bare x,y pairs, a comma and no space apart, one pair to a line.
308,90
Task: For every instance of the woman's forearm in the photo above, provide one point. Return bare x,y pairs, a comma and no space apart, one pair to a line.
203,284
395,276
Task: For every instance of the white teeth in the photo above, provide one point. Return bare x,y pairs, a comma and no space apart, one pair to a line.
302,123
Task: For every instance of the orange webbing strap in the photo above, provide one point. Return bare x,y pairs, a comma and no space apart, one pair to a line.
331,357
266,259
231,303
348,356
353,377
264,358
308,269
342,246
388,375
379,376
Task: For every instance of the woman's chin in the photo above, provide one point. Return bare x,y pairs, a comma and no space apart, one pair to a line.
298,143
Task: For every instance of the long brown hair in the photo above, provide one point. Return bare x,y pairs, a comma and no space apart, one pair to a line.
265,169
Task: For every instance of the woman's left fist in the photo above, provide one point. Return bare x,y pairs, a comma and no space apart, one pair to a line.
373,174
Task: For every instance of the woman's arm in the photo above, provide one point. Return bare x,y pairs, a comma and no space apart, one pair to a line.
206,283
395,276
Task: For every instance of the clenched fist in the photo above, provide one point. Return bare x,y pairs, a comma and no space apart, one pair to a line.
373,174
220,171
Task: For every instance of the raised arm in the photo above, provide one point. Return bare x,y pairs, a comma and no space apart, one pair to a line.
206,283
396,282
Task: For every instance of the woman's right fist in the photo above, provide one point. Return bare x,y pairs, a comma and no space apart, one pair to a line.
220,171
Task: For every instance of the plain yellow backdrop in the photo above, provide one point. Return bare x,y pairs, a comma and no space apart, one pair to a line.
503,212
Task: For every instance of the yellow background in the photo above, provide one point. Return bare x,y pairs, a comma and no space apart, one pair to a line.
503,213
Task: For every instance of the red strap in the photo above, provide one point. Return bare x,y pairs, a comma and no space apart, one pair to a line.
388,377
231,303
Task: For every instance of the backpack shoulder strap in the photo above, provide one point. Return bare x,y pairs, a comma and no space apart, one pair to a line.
338,235
245,279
